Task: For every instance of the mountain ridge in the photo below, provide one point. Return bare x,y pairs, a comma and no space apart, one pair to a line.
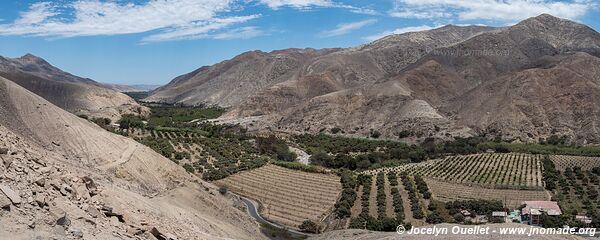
81,96
413,82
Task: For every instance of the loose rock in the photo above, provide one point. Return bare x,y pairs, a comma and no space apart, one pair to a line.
12,195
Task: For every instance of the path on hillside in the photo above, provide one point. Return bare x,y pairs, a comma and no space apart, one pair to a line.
125,156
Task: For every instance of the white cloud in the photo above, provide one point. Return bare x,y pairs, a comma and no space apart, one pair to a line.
399,31
199,30
240,33
500,10
90,18
164,19
345,28
308,4
276,4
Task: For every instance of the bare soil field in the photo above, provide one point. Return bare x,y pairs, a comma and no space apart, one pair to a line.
447,191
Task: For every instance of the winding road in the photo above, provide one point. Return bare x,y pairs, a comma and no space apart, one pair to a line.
253,212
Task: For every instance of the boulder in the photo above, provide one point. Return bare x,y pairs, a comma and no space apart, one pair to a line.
93,212
77,233
90,185
41,181
59,216
12,195
7,161
114,221
3,151
4,201
41,200
82,192
63,221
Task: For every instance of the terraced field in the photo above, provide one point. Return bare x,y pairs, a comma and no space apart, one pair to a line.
563,162
288,197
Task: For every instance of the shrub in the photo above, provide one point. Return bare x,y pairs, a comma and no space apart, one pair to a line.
189,168
223,190
336,130
309,227
375,134
276,148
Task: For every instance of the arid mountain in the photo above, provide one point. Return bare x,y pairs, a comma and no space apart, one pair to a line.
452,81
131,88
231,82
74,94
63,177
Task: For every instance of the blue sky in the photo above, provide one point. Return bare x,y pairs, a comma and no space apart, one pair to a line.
153,41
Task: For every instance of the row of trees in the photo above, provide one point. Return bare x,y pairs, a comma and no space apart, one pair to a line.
549,174
381,197
382,223
397,199
412,194
348,196
422,187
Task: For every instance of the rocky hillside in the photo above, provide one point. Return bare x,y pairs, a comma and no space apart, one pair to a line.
231,82
74,94
62,177
523,82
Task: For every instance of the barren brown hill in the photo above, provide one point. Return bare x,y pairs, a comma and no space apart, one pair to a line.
507,82
74,94
451,81
231,82
63,177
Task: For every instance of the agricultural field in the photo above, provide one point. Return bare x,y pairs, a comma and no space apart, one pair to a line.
489,170
494,170
576,189
563,162
449,191
507,177
386,200
287,196
212,157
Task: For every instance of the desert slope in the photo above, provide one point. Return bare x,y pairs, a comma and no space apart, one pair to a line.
51,158
231,82
74,94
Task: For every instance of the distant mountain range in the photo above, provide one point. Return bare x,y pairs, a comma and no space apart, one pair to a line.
526,82
78,95
131,88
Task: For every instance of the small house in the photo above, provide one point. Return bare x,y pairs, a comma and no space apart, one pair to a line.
499,217
584,219
465,213
533,211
